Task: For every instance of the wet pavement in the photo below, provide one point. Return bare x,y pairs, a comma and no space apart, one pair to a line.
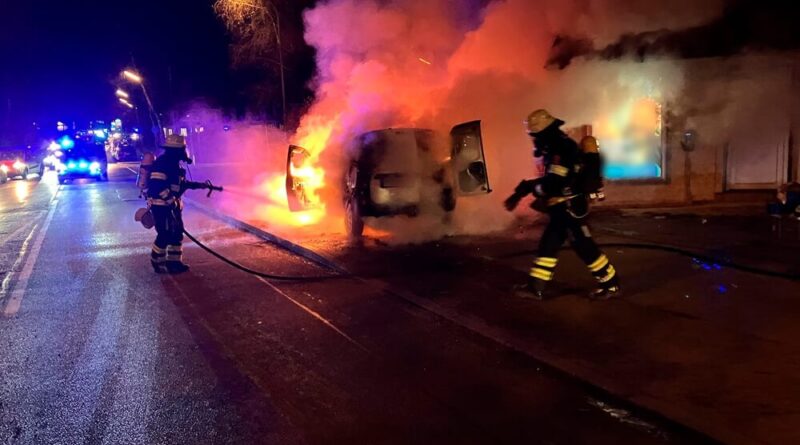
425,344
95,348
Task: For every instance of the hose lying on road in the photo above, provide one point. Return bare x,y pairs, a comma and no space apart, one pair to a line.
705,259
262,274
687,253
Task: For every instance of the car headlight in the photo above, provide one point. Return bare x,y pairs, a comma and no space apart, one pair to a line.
4,168
19,165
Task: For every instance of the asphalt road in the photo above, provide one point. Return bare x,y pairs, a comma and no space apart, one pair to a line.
95,348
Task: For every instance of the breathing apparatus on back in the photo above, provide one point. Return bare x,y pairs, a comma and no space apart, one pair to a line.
143,176
590,178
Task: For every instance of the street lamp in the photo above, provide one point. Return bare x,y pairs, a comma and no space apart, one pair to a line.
122,94
132,76
135,78
126,103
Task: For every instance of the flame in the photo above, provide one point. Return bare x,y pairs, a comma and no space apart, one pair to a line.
314,136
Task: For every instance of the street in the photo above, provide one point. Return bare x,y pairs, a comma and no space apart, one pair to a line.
98,349
399,222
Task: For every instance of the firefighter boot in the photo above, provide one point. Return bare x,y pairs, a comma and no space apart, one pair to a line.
176,267
175,264
157,267
607,290
158,259
607,278
534,289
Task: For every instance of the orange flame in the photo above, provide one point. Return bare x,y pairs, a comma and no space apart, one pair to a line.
313,135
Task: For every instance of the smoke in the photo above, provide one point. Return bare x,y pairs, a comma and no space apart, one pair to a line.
710,30
427,64
436,63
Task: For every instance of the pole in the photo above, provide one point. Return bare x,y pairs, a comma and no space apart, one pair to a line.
153,114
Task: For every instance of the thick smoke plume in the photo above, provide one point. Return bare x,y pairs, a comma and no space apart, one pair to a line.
436,63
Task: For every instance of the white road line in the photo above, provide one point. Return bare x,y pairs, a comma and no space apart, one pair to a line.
14,303
4,287
16,233
314,314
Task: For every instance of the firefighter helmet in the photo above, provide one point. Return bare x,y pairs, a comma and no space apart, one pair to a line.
174,141
540,120
589,144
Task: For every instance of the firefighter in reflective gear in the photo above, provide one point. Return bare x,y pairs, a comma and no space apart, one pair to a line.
166,185
567,207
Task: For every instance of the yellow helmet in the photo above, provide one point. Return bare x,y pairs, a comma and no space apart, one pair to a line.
589,144
540,120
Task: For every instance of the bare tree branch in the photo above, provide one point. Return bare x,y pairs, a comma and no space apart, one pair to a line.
252,23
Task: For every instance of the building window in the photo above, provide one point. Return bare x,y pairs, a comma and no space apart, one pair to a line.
631,140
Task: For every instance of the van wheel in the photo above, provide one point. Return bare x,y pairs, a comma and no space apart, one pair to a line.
25,175
353,222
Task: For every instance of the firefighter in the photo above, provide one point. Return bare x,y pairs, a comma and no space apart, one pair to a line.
566,206
166,185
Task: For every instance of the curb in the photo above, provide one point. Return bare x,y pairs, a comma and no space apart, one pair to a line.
269,237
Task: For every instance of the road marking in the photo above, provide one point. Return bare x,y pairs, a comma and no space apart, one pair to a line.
14,303
316,315
4,287
15,233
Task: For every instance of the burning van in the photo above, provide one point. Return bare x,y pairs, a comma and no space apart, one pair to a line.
401,171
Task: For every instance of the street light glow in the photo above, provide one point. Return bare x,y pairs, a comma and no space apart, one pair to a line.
122,94
133,77
125,102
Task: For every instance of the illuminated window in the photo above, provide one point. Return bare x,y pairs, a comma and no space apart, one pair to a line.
631,141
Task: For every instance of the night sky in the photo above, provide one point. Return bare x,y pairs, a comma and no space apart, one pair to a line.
61,60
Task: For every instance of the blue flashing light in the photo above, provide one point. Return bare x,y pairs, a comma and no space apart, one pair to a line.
66,143
83,165
71,165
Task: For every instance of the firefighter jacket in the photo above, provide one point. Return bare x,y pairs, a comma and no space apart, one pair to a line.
562,163
168,183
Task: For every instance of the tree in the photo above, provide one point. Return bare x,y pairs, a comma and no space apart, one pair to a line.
256,27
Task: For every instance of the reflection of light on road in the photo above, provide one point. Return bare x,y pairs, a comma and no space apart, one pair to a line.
22,191
50,179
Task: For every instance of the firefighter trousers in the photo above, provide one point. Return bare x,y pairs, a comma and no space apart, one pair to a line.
168,246
567,223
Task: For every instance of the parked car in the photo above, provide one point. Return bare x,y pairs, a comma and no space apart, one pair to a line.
396,171
20,163
86,159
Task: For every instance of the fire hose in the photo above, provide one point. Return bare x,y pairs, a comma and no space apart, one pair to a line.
212,188
707,259
258,273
